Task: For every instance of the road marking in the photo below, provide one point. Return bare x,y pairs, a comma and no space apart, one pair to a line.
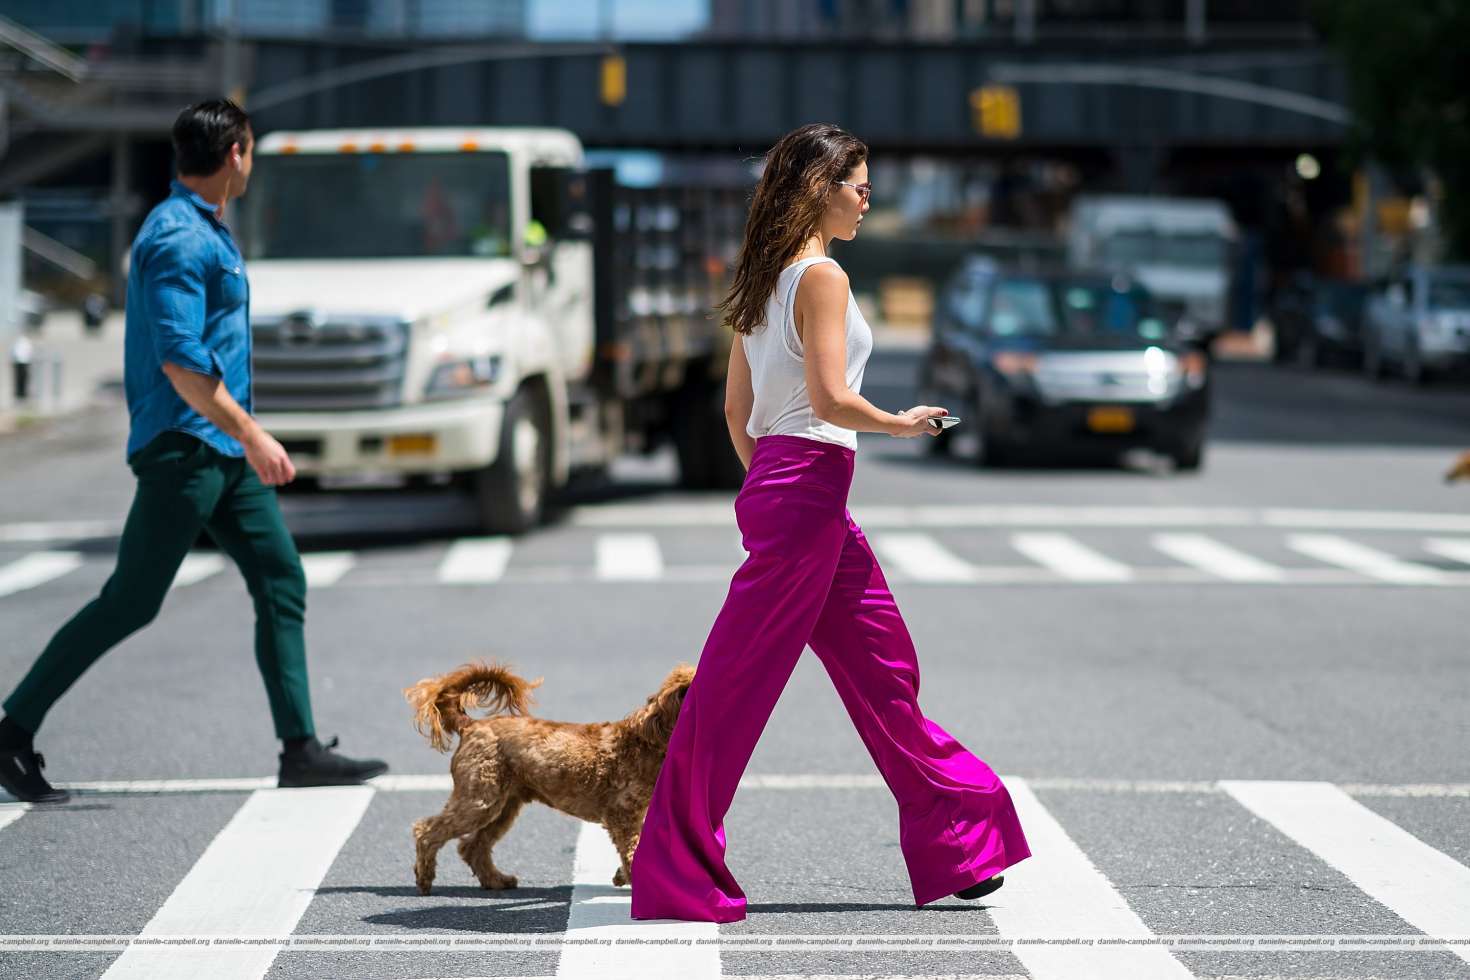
257,877
1426,888
1057,892
672,514
922,558
1365,520
623,557
37,569
601,911
11,812
1455,549
662,513
1360,558
197,567
324,568
476,560
1070,558
440,782
58,530
1217,558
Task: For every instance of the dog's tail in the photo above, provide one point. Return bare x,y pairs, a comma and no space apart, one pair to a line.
441,704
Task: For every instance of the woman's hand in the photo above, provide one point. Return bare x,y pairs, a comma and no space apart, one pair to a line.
916,422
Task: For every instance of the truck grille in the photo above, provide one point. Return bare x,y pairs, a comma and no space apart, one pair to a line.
304,366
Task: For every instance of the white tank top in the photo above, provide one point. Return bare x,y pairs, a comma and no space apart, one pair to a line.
778,371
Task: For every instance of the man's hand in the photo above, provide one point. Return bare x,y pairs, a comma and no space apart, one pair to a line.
269,458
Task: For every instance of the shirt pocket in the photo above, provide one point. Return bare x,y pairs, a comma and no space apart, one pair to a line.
229,284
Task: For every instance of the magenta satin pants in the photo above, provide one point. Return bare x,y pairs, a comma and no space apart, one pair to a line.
811,579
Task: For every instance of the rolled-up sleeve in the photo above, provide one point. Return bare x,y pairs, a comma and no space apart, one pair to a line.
173,281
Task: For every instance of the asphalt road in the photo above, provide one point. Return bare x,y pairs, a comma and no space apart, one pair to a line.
1229,703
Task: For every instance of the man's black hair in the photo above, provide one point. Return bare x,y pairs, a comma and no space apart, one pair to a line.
204,133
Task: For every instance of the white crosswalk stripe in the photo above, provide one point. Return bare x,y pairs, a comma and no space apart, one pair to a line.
11,812
37,569
628,556
1217,558
1069,557
325,569
1058,893
256,878
1455,549
1426,888
197,567
601,911
1335,550
922,558
474,560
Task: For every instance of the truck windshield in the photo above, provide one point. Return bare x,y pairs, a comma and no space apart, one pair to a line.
1446,292
1197,250
378,205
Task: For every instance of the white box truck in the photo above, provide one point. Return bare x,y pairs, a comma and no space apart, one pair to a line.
1180,248
474,307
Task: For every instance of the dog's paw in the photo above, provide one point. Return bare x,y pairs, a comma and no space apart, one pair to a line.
619,879
499,882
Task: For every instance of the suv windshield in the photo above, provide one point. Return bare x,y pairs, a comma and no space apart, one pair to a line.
378,205
1022,308
1093,309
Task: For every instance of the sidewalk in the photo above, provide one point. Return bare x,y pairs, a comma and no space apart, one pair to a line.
89,363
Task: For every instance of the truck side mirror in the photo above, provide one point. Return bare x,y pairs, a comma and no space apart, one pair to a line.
561,201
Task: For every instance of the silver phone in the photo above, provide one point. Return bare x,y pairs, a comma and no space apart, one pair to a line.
944,421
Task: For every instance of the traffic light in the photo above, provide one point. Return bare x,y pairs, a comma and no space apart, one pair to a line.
995,111
614,80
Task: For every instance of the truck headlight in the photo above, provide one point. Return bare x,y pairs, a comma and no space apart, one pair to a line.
463,376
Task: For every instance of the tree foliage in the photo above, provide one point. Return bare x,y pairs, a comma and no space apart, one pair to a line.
1409,82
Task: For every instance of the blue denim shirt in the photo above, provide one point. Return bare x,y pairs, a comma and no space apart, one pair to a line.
188,304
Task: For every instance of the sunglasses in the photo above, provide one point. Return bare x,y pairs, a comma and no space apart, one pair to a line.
864,190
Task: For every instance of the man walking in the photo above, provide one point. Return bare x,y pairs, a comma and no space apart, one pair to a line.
200,459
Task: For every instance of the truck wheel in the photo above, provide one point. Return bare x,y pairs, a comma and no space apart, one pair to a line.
511,492
707,461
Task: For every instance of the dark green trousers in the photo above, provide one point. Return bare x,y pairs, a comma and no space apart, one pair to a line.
185,486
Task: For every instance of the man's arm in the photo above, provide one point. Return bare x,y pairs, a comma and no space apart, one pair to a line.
173,277
208,396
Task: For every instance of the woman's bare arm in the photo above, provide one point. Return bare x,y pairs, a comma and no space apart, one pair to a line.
821,322
739,399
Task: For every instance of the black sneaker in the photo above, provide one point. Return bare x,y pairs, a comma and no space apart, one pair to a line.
20,775
982,888
317,765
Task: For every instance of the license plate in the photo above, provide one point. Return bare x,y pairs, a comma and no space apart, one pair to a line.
1110,420
412,445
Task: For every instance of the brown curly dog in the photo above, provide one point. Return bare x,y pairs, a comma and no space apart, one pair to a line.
602,772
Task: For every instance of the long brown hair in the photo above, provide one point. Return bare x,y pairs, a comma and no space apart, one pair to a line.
785,210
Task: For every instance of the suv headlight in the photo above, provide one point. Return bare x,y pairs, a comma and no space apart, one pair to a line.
459,377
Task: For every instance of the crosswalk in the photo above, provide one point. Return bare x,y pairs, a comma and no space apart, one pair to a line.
930,557
1064,913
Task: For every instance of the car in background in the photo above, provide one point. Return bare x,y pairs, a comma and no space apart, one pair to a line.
1063,361
1419,323
1319,321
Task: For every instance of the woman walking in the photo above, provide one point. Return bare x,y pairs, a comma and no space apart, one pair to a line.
794,412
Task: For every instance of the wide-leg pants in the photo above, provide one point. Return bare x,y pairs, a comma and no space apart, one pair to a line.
811,578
